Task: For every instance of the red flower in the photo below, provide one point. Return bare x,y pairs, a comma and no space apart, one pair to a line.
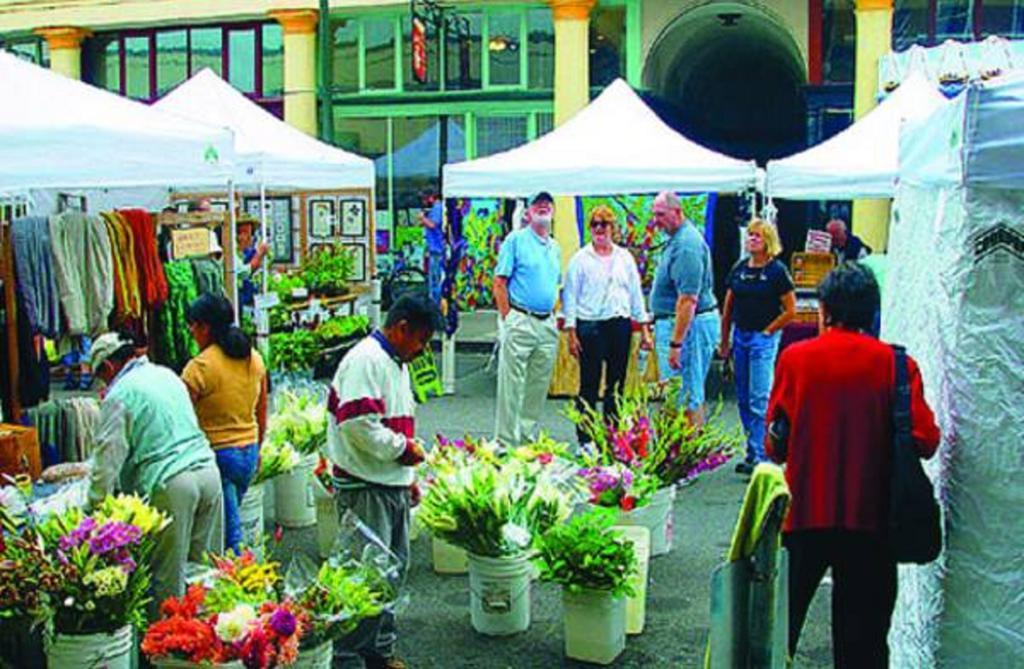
627,503
545,458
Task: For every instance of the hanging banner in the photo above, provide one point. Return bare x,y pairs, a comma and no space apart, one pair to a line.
419,49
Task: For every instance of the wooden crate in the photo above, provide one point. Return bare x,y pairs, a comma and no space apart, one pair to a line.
809,269
19,451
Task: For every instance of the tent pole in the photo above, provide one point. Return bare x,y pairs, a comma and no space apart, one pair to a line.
233,289
262,314
263,229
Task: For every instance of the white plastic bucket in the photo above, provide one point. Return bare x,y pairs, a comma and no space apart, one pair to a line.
327,525
251,514
109,651
499,594
595,625
170,663
636,606
293,495
656,516
448,559
269,507
315,658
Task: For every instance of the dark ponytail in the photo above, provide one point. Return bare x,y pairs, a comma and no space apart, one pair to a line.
216,311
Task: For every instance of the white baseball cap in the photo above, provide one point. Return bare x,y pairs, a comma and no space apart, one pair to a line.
105,346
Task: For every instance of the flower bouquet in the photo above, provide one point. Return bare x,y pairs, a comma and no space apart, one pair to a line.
28,574
617,486
255,637
491,510
299,419
275,459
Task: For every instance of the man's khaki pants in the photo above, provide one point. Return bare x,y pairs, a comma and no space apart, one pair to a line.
525,361
195,502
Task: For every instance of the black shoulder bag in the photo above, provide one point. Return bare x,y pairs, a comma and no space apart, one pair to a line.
915,531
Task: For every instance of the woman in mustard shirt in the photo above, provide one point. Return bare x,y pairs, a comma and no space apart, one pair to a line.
228,385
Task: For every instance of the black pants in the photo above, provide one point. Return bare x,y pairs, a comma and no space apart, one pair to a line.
863,592
603,343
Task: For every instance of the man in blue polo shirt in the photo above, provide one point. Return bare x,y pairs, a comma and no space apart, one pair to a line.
684,306
526,284
432,220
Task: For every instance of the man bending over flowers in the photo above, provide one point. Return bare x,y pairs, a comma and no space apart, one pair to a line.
370,442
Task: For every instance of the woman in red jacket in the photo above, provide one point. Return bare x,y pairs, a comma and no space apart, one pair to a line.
830,413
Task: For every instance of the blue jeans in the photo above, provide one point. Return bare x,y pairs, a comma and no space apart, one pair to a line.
237,466
754,356
695,356
435,276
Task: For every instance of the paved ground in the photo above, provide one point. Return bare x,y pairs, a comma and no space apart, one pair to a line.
434,627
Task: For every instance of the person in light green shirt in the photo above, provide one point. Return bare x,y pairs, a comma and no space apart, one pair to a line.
148,442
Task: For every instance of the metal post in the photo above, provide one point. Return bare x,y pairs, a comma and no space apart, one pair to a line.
262,315
233,258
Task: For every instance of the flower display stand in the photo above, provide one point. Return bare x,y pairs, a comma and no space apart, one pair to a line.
636,606
111,651
656,516
595,625
448,559
294,500
499,594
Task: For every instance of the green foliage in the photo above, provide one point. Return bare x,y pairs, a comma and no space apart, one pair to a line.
328,270
335,330
587,554
293,351
340,598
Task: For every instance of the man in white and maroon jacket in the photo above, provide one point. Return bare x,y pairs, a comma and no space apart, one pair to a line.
371,443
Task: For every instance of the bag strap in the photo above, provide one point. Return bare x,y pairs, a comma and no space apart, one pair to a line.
901,398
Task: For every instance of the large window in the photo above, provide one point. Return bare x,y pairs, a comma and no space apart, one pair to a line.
147,64
607,45
931,22
838,43
495,48
33,49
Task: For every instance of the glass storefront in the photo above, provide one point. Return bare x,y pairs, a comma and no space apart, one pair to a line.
33,49
931,22
146,64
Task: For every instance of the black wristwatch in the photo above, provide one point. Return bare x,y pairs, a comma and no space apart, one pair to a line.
675,344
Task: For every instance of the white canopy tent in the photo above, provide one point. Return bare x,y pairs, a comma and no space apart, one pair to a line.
59,133
861,161
614,145
269,152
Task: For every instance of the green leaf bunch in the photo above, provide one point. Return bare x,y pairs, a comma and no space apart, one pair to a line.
340,328
587,554
329,269
295,351
340,598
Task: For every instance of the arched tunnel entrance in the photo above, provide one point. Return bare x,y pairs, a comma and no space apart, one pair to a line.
730,76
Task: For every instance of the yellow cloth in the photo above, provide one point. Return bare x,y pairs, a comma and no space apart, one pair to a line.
225,392
766,486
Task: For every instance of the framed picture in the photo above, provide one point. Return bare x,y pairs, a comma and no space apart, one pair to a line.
353,218
403,218
321,218
358,252
279,226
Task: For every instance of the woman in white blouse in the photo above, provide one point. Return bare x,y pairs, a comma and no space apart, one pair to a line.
602,298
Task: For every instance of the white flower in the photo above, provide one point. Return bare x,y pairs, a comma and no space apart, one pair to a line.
516,535
69,602
234,625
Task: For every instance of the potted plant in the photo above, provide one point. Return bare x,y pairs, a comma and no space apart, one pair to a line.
293,352
328,269
494,512
594,565
104,579
335,331
299,419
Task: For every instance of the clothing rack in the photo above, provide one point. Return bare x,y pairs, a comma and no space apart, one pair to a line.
219,222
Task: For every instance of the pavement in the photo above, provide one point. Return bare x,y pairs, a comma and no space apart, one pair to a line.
434,629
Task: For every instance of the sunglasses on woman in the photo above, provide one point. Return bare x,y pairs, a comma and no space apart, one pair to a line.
600,224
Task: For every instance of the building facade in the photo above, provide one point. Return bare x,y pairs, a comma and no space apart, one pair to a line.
753,78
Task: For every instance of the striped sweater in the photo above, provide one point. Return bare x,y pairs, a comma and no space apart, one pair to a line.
371,405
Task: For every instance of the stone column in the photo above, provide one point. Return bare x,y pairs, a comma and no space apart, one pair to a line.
65,49
299,66
874,40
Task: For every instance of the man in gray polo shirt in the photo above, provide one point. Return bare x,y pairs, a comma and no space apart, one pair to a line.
684,306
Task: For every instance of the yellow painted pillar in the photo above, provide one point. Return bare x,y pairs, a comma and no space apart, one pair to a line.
572,93
65,49
299,67
874,40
